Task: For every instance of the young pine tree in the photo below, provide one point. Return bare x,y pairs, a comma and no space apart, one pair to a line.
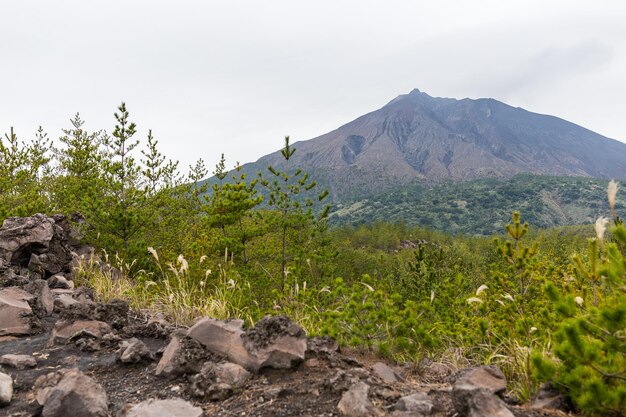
78,181
23,172
294,215
229,209
590,341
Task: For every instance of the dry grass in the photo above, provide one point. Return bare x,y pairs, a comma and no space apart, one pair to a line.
176,291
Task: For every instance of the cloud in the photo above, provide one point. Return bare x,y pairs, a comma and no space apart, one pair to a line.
554,65
234,77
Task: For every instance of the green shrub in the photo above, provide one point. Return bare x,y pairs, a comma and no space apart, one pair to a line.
590,343
370,318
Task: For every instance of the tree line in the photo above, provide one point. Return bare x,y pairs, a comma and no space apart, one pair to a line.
129,196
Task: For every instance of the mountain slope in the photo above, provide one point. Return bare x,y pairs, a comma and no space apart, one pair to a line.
484,206
416,137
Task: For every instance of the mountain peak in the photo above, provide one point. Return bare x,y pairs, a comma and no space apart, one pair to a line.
416,137
414,94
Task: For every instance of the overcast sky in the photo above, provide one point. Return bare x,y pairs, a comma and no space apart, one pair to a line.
236,76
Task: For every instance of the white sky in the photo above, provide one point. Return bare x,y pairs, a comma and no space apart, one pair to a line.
236,76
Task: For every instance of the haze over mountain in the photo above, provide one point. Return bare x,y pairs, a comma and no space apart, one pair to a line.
419,138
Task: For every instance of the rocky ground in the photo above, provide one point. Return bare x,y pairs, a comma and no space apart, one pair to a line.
62,354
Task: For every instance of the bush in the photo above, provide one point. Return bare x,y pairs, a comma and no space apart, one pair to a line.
364,316
590,343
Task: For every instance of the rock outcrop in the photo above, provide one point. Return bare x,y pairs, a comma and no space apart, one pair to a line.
39,242
275,342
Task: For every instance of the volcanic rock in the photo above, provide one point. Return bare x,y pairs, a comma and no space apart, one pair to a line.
65,331
224,338
276,342
419,402
355,402
6,389
384,372
44,303
490,378
164,408
183,355
70,393
59,281
38,241
134,351
18,361
15,311
478,402
217,381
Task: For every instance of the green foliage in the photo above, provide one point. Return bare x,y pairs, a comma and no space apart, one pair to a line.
366,317
285,190
520,276
78,180
229,208
118,212
482,207
23,173
590,342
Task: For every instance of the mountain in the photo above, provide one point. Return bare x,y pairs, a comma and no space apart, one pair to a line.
417,138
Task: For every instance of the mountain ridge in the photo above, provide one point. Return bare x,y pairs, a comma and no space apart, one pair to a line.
417,137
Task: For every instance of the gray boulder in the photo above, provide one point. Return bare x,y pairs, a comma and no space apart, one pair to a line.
183,355
223,338
134,351
418,403
70,393
6,389
15,311
218,381
164,408
11,278
62,299
232,374
474,393
490,378
168,366
44,302
65,331
470,401
384,372
356,403
59,281
18,361
323,345
20,237
275,342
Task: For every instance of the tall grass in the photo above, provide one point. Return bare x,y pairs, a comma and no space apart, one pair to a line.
181,292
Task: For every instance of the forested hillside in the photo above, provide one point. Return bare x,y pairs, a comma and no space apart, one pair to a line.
484,206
